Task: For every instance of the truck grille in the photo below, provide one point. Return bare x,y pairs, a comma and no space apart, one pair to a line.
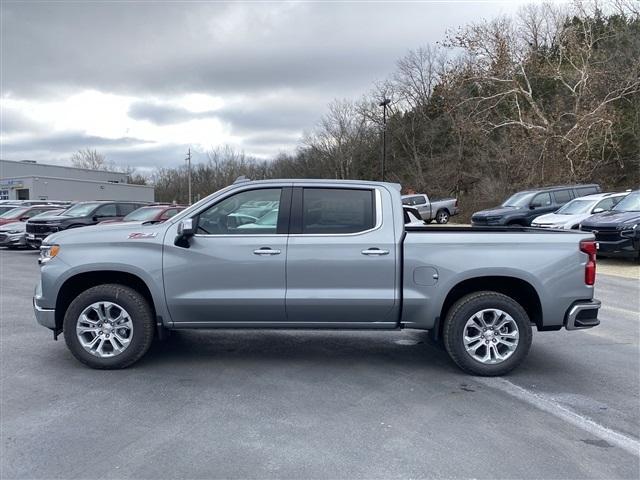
40,229
604,234
3,237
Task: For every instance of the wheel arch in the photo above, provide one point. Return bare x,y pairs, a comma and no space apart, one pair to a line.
80,282
520,290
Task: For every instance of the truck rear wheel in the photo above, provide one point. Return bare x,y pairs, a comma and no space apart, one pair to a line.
487,333
442,216
109,326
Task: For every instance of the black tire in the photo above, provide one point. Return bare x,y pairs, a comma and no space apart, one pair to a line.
463,310
442,216
141,317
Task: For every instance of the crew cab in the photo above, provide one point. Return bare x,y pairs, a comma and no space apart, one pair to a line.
338,256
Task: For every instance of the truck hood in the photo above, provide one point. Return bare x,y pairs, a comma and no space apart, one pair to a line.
611,219
109,233
496,211
49,218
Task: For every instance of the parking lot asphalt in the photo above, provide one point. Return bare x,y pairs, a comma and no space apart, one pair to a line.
313,404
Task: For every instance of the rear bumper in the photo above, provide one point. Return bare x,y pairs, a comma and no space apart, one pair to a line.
582,314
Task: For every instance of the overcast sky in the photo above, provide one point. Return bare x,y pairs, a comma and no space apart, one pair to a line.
143,81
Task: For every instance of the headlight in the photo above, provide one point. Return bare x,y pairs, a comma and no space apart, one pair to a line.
48,252
13,232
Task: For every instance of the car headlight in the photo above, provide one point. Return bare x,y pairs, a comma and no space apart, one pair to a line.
13,232
48,252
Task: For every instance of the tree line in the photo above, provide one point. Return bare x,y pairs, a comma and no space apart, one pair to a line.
550,96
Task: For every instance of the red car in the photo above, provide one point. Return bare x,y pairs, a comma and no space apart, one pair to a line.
150,213
22,214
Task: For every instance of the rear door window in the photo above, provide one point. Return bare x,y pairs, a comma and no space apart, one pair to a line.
541,200
562,196
337,210
582,191
414,200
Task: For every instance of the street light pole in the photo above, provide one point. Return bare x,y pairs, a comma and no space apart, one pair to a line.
188,159
384,104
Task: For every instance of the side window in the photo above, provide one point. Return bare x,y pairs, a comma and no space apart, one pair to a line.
582,191
126,208
562,196
108,210
541,200
606,204
337,210
248,212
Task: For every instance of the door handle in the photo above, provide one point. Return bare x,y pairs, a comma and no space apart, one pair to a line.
375,252
266,251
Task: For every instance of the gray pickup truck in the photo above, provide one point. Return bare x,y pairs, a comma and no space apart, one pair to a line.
440,210
319,255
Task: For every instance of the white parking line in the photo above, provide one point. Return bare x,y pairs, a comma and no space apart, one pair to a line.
629,444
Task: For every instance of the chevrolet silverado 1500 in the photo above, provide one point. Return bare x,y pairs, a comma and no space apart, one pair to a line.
313,254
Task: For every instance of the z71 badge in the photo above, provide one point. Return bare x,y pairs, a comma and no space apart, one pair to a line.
138,235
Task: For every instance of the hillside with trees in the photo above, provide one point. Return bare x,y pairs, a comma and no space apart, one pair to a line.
550,96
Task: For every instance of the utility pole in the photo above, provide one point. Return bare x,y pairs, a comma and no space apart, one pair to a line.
384,104
188,160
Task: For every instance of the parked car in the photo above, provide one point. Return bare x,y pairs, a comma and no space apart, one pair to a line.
13,235
412,217
521,208
570,216
618,230
22,214
79,215
150,213
5,207
338,257
439,210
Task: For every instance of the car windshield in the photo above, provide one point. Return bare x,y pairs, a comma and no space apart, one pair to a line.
6,208
574,207
48,213
630,203
519,200
14,212
143,214
81,209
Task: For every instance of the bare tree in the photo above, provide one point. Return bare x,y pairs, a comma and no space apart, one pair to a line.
91,160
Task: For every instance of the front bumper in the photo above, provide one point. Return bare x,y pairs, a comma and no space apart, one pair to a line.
10,240
624,247
582,314
44,316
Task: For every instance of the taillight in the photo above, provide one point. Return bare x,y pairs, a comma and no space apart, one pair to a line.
589,247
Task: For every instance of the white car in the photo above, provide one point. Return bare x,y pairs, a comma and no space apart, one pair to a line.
571,214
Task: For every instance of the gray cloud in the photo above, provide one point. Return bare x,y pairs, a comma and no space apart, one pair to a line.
274,65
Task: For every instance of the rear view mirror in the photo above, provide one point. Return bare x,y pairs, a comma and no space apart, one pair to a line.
23,219
598,210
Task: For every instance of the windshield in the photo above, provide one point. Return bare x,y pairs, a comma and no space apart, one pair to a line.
630,203
6,208
519,200
14,212
48,213
143,214
81,209
575,207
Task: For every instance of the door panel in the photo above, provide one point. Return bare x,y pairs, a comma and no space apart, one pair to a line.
341,278
231,272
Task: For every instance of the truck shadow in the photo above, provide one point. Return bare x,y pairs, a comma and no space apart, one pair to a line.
405,349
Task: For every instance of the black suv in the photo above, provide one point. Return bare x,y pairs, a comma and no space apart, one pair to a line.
618,230
80,215
522,207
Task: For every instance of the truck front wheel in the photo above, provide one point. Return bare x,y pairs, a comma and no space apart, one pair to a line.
487,333
109,326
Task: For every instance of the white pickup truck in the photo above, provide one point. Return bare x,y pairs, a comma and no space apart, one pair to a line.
321,254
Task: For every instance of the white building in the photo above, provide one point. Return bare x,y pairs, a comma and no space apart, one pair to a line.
28,180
